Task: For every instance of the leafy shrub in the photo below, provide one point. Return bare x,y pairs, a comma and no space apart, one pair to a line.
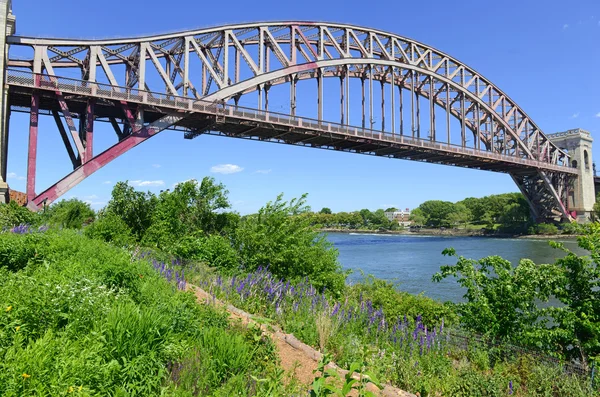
546,228
69,214
12,215
111,229
397,303
83,317
571,228
290,247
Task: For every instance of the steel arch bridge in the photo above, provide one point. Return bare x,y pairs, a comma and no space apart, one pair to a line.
428,106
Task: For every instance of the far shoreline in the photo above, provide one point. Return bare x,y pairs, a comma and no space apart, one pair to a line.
449,233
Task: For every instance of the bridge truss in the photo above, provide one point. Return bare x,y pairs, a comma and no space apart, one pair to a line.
415,102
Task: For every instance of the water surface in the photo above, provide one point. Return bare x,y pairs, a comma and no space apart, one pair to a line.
412,260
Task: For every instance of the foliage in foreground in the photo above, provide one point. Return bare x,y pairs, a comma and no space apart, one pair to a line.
414,353
191,223
503,301
79,316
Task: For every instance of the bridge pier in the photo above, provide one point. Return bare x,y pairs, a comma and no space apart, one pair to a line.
582,195
7,25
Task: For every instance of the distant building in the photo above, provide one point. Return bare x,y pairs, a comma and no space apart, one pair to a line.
402,217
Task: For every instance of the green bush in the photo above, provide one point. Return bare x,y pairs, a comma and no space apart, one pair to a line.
571,228
12,215
80,316
546,228
69,214
288,245
396,303
111,229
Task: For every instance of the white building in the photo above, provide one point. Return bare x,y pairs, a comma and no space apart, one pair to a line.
402,217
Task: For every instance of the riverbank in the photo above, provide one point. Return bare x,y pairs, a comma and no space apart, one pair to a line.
450,233
419,232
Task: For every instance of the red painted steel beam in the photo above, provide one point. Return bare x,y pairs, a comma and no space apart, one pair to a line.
32,149
94,164
89,131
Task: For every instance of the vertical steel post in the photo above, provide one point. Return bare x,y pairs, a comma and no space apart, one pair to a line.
186,66
478,129
462,120
320,94
448,111
362,85
32,149
293,95
371,96
89,130
418,116
267,97
347,95
342,98
382,105
401,107
431,111
392,105
412,103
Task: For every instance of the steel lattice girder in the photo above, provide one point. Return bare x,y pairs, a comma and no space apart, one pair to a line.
240,59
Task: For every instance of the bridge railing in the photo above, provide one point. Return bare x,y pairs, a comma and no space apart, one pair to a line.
95,89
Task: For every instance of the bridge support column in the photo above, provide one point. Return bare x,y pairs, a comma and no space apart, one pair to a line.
7,27
582,195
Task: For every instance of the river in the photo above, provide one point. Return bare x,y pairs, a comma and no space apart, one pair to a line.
411,260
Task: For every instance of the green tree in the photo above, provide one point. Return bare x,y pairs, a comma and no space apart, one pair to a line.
596,208
12,214
191,208
133,207
476,206
288,245
501,300
577,320
391,209
110,228
417,217
325,210
366,217
436,212
379,220
459,215
69,214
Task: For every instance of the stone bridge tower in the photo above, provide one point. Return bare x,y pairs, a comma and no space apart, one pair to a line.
7,27
582,195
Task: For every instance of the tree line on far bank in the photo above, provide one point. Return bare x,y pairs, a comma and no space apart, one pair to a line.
497,213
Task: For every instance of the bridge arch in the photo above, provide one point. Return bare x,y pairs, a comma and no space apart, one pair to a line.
224,63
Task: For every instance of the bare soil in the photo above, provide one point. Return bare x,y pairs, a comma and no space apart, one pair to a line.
297,359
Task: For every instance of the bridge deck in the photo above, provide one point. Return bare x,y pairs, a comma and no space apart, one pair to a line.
210,118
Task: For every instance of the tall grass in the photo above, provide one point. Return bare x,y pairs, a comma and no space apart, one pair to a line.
79,316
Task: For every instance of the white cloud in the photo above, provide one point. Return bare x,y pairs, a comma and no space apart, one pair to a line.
263,171
565,26
147,183
575,115
226,169
91,197
187,180
598,114
156,165
95,203
106,182
12,175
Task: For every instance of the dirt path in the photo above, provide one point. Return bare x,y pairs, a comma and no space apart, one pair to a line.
296,358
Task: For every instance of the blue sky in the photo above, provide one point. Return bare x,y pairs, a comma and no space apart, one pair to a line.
544,54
